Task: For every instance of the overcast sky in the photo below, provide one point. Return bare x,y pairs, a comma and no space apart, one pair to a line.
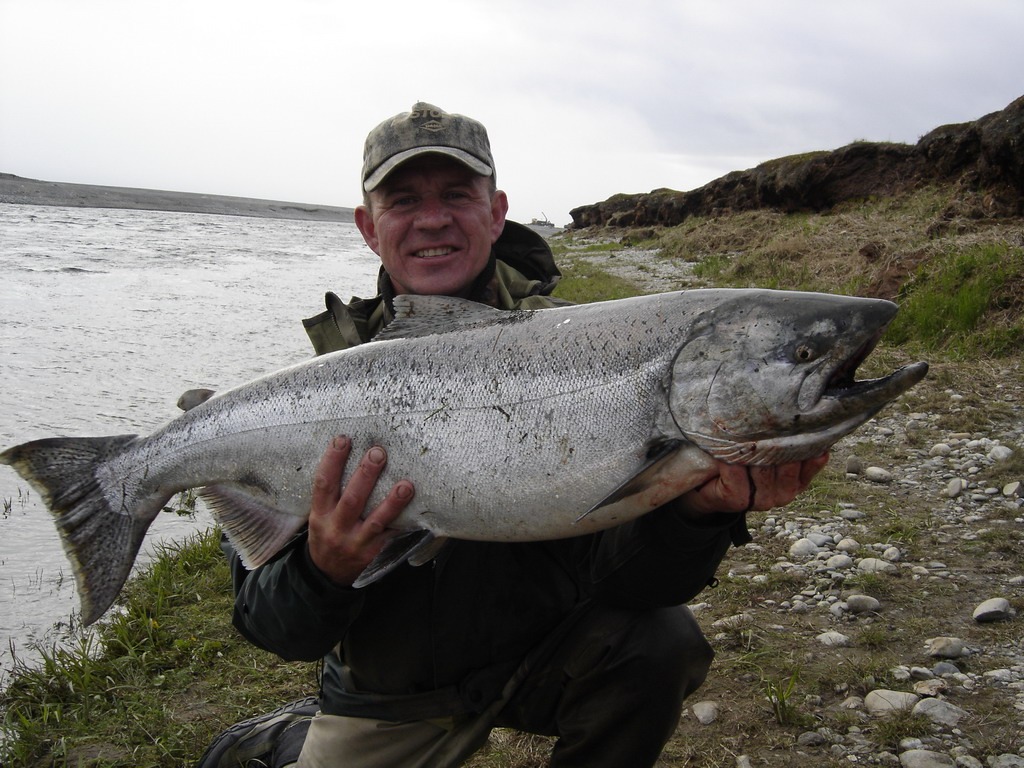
582,98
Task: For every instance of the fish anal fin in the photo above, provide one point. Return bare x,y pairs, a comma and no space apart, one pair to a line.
257,530
405,546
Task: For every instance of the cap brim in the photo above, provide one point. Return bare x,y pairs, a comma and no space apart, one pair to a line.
473,163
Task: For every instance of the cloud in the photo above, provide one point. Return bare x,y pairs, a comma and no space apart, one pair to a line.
269,98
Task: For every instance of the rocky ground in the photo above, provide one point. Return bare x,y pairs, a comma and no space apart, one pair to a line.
877,621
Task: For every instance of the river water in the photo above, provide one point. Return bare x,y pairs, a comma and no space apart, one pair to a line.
106,316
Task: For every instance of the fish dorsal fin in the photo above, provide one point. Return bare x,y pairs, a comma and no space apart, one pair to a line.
254,528
429,315
657,454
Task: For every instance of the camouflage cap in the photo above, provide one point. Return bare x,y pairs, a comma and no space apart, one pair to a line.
422,130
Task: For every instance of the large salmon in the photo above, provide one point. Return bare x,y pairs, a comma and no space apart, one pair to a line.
513,426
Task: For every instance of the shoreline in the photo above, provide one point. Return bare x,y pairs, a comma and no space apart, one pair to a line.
17,190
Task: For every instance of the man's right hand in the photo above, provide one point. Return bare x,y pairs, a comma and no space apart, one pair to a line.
341,541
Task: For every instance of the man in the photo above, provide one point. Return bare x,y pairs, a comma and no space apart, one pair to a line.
587,639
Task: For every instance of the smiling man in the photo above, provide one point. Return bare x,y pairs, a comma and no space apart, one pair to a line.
587,639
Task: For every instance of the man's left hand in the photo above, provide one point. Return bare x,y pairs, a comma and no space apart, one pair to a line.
742,489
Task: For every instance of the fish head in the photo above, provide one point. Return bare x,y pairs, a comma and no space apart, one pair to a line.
768,377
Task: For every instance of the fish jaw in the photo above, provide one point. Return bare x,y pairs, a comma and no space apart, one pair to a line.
770,378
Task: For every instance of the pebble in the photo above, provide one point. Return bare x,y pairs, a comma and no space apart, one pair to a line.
833,639
882,702
862,604
944,647
925,758
996,609
876,565
803,549
706,712
1000,453
819,552
939,711
878,475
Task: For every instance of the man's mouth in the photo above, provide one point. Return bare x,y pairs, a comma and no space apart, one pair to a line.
432,253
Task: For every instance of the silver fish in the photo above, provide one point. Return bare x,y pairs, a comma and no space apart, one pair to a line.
513,426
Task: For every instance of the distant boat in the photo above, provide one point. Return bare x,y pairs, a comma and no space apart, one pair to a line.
545,222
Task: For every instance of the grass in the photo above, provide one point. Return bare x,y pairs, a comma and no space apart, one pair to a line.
161,676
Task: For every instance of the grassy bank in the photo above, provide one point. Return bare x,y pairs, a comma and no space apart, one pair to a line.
166,672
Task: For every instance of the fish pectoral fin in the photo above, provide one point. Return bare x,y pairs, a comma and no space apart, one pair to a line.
428,551
255,529
409,545
658,454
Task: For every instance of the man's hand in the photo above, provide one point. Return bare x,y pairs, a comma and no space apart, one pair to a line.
742,489
341,542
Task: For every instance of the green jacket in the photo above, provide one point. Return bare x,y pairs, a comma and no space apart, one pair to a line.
442,638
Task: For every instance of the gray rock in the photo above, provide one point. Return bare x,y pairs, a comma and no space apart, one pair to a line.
939,711
706,712
925,758
944,647
839,562
1006,761
876,565
862,604
833,639
810,739
882,702
1010,490
1000,453
803,549
996,609
878,475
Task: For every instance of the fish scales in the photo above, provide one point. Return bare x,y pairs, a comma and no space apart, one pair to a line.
513,426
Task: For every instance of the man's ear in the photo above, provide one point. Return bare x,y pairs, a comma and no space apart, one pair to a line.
499,210
364,222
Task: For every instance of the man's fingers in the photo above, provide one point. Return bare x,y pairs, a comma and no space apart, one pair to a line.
327,478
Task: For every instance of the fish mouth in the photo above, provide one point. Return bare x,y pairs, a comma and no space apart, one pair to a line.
843,394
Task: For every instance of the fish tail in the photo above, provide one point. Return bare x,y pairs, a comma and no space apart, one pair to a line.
101,530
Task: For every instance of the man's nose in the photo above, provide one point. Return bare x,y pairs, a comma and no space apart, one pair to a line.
433,214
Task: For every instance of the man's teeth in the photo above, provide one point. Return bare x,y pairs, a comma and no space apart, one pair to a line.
431,252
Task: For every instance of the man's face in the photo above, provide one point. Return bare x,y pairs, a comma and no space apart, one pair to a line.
432,222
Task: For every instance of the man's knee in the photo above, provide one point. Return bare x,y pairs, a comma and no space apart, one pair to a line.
669,649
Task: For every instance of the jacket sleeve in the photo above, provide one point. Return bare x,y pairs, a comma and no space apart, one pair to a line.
660,559
290,608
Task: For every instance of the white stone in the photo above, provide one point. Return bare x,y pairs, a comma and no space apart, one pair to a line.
878,475
706,712
925,758
944,647
892,554
940,449
882,702
875,565
839,562
803,549
848,545
1012,489
1000,453
955,487
833,639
